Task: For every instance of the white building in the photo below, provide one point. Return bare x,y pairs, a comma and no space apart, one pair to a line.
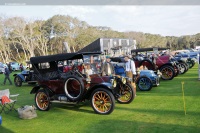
111,46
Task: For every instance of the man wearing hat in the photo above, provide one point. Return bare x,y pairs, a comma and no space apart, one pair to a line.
107,68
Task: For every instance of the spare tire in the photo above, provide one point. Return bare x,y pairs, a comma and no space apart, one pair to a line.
147,63
74,88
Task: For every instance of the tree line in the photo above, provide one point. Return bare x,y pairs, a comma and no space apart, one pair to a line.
21,39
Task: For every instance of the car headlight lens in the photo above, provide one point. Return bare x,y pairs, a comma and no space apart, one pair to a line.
113,82
123,80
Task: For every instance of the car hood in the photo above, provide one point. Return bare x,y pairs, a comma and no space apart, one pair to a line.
99,79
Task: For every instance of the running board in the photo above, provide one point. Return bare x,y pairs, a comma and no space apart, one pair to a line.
57,101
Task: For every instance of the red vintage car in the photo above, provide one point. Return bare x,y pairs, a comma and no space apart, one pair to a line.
168,68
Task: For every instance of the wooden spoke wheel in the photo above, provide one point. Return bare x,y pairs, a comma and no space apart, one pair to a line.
102,101
167,72
126,94
42,100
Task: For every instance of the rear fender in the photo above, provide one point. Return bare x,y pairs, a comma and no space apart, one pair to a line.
137,81
36,88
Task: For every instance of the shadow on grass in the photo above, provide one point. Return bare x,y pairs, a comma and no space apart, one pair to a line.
131,126
5,130
159,111
76,107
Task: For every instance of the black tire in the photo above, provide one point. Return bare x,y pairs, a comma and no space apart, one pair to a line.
42,100
167,72
74,88
17,81
187,66
99,101
182,68
191,63
126,94
176,70
148,64
144,83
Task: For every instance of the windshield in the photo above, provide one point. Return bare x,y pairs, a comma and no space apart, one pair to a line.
91,58
92,63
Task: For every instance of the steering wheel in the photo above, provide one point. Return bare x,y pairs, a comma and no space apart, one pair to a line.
74,68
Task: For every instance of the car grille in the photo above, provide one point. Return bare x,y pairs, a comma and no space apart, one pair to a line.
156,81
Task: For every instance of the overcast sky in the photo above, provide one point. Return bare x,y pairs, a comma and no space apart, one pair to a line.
164,20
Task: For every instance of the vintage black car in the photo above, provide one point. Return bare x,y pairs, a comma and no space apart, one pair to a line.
73,86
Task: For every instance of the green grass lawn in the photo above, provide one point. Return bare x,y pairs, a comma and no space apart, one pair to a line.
156,111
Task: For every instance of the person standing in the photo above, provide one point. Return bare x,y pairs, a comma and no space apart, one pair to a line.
107,68
21,67
7,75
130,71
9,67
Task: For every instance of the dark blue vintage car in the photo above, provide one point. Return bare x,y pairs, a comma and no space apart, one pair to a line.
25,76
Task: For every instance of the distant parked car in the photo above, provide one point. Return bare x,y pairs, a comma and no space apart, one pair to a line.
15,66
168,68
25,76
2,67
145,79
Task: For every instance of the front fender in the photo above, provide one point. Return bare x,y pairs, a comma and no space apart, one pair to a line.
167,64
105,85
21,76
144,76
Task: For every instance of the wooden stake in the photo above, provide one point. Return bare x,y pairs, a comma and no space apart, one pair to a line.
183,97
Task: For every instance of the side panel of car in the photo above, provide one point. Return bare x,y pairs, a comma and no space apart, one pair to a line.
55,85
162,60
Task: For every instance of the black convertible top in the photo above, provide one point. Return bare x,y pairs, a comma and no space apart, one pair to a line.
146,49
60,57
117,59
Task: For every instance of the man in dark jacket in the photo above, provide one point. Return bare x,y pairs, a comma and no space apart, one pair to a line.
107,68
7,75
9,67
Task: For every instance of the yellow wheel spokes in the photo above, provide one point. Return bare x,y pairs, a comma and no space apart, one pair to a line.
167,72
102,101
42,100
125,95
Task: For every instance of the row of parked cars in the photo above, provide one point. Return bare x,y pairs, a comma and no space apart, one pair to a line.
14,66
60,79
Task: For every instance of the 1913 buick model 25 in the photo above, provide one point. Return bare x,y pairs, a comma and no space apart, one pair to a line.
74,87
